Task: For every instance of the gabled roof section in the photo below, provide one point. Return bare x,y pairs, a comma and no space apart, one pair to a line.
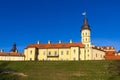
57,45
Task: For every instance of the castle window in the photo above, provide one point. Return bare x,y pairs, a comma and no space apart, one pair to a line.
74,51
67,52
101,56
31,52
49,53
88,50
86,39
96,54
61,52
83,34
88,45
88,55
55,53
86,33
44,53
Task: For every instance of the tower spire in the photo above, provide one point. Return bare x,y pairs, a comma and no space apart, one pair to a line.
14,49
85,23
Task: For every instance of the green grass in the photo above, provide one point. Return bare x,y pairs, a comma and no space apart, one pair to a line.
57,70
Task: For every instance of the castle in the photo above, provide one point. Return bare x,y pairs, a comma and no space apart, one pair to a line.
72,51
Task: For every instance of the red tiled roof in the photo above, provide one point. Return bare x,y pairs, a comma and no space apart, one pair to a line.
3,54
11,54
59,45
110,55
104,48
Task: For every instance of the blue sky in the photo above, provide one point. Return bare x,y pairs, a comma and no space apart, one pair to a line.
27,21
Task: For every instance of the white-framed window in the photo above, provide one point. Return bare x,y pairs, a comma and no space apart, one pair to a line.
43,52
31,52
96,55
74,51
88,50
49,53
61,52
87,45
67,52
55,53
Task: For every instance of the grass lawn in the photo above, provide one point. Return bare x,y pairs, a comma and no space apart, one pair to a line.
55,70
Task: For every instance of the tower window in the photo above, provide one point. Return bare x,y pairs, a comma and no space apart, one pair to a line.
88,55
88,45
83,34
86,33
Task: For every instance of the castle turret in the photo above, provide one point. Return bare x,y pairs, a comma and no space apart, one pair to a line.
85,38
14,49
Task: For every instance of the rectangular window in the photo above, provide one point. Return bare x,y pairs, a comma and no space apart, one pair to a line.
31,52
96,54
61,52
55,53
67,52
74,51
88,50
49,53
43,52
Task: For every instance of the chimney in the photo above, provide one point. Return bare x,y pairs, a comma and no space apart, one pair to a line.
60,41
38,42
70,40
49,42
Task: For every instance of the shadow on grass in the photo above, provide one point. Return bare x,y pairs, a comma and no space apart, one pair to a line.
5,73
114,70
